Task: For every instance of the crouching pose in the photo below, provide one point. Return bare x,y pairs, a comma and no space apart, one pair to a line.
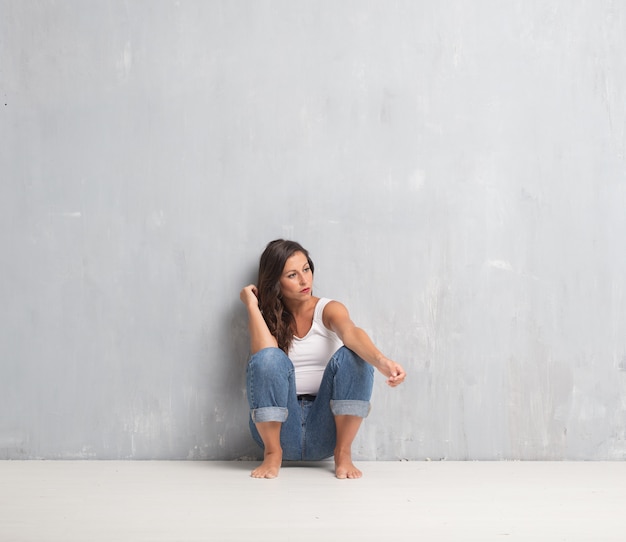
310,376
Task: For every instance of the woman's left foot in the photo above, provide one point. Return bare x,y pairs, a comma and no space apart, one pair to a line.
344,468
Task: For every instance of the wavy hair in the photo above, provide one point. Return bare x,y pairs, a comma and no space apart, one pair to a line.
279,320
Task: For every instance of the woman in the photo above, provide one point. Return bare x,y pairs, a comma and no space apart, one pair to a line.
310,376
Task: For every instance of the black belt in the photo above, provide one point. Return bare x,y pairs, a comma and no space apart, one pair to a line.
306,397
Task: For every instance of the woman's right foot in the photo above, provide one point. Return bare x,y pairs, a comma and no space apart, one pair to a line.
270,466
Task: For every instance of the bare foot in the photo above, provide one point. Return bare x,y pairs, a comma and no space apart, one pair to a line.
344,468
270,466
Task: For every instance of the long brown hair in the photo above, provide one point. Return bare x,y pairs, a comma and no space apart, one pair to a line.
279,320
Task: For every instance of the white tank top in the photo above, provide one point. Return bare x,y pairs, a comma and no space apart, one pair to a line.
311,353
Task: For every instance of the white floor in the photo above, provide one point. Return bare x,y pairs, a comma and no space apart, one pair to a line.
118,501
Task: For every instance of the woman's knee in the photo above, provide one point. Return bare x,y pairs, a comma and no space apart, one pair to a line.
348,361
270,361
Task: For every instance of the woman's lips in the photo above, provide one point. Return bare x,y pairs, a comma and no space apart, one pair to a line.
305,291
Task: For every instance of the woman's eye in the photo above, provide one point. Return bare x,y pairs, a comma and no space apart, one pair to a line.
291,276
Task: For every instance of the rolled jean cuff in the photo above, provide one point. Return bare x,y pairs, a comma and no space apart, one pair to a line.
350,407
269,414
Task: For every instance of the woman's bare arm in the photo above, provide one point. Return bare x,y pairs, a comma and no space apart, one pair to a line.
260,336
337,318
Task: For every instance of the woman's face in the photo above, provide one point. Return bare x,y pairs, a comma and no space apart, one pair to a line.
296,281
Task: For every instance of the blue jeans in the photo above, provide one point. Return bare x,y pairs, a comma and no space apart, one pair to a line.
308,426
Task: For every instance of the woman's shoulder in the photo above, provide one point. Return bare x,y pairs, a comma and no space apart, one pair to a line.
333,310
328,304
331,302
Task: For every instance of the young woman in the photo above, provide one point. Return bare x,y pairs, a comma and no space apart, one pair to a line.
310,376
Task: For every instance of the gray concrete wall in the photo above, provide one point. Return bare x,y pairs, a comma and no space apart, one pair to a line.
457,170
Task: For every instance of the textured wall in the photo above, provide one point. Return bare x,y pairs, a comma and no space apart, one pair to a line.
457,170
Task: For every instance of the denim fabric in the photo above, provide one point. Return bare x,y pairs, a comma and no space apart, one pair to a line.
308,431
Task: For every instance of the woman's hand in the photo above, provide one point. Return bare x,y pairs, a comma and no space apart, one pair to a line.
249,295
393,371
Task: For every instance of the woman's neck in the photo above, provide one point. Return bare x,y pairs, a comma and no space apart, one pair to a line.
300,309
303,317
